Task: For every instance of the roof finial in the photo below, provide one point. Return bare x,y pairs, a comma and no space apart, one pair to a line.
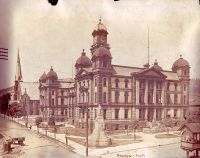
181,56
51,68
83,53
83,50
25,91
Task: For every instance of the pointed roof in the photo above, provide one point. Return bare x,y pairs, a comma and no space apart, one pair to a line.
18,75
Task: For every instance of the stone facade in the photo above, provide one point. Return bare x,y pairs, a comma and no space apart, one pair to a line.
125,94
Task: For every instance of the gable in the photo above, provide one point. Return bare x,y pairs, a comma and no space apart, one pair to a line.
151,73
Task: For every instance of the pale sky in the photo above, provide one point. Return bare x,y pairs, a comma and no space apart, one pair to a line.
55,35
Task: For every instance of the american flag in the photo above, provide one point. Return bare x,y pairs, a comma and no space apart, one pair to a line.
3,54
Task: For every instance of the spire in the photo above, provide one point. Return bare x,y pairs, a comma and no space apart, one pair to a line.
18,75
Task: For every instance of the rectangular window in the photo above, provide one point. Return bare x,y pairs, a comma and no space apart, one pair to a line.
175,112
95,113
116,97
126,83
104,97
62,92
117,127
126,113
104,113
104,82
116,113
62,101
95,97
126,97
62,111
184,99
52,92
175,99
52,102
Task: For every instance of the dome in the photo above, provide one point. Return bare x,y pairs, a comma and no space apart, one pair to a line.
43,78
100,27
52,74
83,61
101,51
180,63
156,66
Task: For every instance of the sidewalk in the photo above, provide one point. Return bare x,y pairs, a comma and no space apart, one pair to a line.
149,140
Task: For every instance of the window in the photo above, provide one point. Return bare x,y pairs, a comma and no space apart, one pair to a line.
175,86
95,113
95,97
104,64
52,92
175,112
62,92
116,97
168,99
126,83
62,101
104,97
95,82
117,127
175,98
116,113
104,114
184,99
184,87
62,111
88,83
52,102
126,113
84,83
168,86
116,83
104,82
126,97
52,112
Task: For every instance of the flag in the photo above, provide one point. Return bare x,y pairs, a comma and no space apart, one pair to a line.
3,53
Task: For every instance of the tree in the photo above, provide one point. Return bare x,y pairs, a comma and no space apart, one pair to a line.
4,103
38,121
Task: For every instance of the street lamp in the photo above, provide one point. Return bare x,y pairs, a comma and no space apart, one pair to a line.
85,90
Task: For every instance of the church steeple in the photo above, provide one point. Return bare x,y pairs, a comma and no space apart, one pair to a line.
18,75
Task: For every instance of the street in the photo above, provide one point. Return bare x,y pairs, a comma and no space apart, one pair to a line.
35,146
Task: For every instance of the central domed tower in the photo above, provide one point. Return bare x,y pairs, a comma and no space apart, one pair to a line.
100,49
99,37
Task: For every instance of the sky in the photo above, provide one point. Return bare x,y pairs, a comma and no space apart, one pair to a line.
55,35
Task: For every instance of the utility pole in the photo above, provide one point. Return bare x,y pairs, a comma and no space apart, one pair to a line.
86,130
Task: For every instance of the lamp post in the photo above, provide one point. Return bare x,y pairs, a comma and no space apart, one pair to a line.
85,90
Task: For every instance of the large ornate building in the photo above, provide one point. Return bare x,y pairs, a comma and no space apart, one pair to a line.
124,93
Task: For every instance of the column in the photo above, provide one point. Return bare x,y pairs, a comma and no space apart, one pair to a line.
154,92
154,114
146,93
146,114
163,113
137,92
163,94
